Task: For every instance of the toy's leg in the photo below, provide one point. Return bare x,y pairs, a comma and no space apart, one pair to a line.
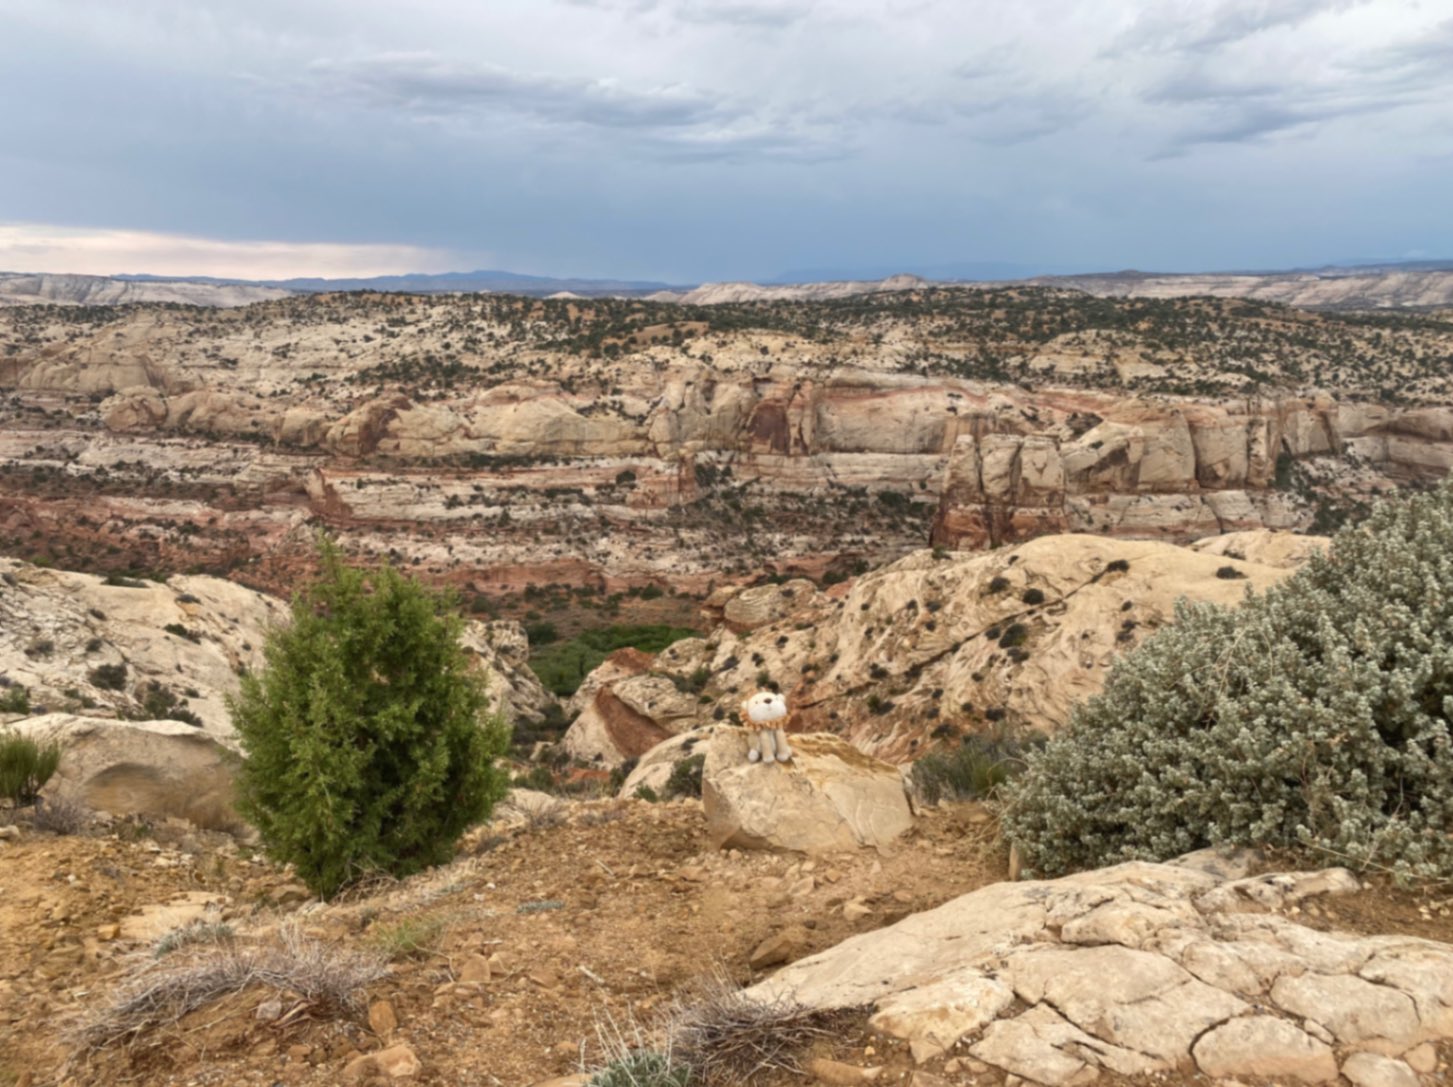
784,753
754,743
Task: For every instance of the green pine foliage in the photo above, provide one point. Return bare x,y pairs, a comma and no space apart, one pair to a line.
1316,716
369,745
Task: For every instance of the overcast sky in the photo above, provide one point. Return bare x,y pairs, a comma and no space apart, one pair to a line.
689,140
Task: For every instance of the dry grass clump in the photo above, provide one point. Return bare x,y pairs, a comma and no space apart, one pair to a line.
329,978
726,1038
61,814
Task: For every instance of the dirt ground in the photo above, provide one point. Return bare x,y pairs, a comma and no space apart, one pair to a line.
506,967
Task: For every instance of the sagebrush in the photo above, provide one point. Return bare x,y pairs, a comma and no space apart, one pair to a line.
25,767
369,744
1316,715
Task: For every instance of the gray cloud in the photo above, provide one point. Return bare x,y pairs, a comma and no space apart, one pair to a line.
1201,27
430,84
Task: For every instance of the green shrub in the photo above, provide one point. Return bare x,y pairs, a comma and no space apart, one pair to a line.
1016,635
369,748
408,938
641,1068
1316,715
685,779
997,584
976,769
15,699
542,633
25,767
109,677
1033,597
562,666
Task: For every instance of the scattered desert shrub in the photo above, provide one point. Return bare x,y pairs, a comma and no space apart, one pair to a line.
1316,715
15,699
408,938
25,767
685,779
331,979
1229,573
721,1037
62,814
109,677
1033,597
369,745
976,769
997,584
641,1068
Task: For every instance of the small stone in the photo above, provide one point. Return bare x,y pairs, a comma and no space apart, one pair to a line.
781,947
1423,1058
9,833
1375,1070
269,1011
395,1062
107,933
921,1078
474,970
291,894
838,1074
299,1053
381,1018
856,909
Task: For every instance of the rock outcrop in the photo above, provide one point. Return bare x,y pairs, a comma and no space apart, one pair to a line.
157,769
829,798
1139,969
138,648
933,647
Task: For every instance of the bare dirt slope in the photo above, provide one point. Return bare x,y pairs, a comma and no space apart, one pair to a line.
606,911
505,964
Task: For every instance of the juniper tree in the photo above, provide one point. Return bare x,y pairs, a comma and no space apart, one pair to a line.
369,745
1316,715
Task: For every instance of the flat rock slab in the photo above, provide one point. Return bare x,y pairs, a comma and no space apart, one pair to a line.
1143,968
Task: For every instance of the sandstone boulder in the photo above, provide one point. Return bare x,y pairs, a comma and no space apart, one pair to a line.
830,797
655,767
151,768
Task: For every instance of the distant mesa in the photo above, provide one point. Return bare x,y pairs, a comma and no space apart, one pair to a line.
1424,284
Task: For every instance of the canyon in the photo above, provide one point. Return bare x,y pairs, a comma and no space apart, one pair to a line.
497,442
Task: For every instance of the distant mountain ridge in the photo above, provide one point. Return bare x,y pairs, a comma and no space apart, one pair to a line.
1419,284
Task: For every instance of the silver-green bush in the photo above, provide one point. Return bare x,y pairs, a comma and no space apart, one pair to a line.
1315,715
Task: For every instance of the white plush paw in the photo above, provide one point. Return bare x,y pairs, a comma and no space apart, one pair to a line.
753,755
784,756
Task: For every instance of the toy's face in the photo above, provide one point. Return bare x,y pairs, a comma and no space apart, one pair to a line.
766,706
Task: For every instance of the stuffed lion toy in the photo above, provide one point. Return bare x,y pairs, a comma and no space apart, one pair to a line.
764,715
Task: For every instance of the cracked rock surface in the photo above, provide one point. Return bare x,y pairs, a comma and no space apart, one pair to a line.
1144,968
